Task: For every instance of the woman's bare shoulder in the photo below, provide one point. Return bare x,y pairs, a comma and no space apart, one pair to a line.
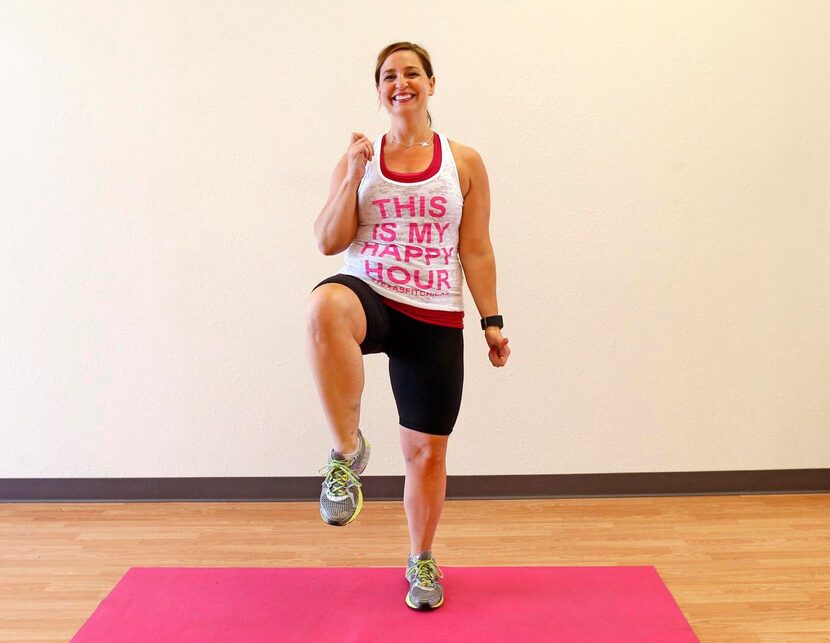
463,152
468,161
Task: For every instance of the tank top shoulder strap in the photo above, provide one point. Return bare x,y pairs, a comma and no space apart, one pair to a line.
449,164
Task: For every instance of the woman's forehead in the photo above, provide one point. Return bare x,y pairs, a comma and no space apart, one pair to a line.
404,58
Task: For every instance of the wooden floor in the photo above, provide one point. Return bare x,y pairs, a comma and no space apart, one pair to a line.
742,568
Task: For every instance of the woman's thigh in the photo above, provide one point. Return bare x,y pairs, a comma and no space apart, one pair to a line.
377,319
426,370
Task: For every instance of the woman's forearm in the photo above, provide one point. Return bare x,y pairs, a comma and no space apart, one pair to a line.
336,226
480,274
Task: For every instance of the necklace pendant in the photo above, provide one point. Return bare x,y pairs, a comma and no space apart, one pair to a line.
424,143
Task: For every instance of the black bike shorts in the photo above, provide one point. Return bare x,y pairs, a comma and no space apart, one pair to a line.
426,361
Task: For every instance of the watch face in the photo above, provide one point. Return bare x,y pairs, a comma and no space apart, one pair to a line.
495,320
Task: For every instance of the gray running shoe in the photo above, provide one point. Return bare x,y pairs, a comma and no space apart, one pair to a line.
425,592
342,497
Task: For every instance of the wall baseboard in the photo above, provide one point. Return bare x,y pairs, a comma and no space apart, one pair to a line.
253,489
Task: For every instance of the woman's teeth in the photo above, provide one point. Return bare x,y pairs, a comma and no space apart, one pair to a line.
403,98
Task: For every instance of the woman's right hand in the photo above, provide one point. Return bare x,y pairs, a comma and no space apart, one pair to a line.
359,153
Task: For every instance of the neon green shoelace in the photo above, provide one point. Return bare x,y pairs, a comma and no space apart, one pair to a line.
338,476
425,572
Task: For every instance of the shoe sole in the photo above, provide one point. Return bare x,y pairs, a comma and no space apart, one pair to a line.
359,505
424,606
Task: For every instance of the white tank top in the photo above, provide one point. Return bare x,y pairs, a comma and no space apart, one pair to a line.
406,246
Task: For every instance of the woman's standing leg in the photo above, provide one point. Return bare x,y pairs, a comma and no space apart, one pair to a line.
425,485
426,368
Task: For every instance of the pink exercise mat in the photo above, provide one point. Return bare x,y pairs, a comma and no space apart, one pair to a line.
366,605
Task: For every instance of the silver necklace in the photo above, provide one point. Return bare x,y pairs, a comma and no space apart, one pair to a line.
422,143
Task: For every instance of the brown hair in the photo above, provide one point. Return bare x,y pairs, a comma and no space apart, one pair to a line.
409,46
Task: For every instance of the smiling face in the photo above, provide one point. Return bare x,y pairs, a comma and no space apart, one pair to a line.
403,84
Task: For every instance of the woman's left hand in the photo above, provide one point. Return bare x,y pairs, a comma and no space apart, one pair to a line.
499,351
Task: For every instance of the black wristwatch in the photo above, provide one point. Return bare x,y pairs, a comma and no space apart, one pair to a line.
494,320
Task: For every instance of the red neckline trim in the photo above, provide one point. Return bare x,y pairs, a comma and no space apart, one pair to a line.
412,177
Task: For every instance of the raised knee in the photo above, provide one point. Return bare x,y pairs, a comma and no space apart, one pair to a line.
327,305
332,308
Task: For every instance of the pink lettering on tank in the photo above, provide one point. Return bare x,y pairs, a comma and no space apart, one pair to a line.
431,253
390,275
378,270
415,250
389,233
427,285
391,249
399,207
381,203
439,203
410,252
368,246
443,278
420,233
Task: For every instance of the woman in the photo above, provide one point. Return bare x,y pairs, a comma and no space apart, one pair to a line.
411,209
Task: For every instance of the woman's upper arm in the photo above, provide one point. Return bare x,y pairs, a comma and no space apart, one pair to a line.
474,232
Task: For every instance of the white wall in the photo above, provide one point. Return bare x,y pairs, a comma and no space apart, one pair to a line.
660,212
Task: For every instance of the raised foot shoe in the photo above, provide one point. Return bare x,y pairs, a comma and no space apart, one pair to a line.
342,496
425,592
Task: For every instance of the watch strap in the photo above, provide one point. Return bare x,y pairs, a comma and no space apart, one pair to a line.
493,320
